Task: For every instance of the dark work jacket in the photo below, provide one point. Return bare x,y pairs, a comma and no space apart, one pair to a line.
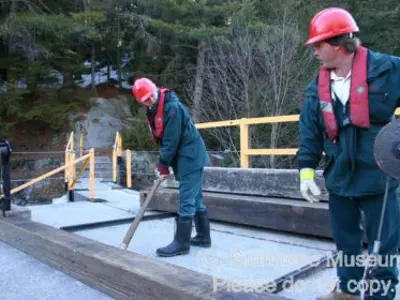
350,168
182,146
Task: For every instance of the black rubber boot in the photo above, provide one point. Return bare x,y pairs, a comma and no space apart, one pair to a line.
202,224
181,243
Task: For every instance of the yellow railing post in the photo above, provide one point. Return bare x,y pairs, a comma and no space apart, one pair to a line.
119,149
72,158
128,168
244,144
115,157
81,144
117,152
67,170
66,173
91,174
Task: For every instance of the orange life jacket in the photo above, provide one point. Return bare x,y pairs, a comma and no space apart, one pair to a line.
359,105
158,130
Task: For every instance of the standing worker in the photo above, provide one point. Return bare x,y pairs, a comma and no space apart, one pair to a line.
354,95
183,149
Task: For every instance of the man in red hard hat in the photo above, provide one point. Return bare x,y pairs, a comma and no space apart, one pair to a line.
182,149
354,95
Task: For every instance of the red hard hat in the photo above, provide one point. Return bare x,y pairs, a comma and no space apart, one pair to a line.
143,88
329,23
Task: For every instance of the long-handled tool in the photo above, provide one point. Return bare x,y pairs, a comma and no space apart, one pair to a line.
131,231
368,270
387,156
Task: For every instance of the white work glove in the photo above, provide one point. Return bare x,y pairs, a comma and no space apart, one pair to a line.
308,188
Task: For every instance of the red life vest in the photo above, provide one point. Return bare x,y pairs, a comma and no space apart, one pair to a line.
158,130
359,104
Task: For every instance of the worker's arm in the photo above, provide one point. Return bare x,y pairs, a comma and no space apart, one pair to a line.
396,61
310,134
310,148
171,137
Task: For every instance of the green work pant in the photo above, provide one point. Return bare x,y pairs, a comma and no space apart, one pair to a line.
347,231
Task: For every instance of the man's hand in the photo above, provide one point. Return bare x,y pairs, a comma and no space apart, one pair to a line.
308,188
162,171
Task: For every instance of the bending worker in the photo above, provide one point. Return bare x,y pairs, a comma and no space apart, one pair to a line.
183,149
354,95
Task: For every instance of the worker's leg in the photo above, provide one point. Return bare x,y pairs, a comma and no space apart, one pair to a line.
345,218
199,204
201,218
386,272
189,186
190,194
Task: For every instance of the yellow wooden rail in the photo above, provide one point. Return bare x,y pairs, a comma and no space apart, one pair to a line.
118,152
70,176
69,173
244,124
89,157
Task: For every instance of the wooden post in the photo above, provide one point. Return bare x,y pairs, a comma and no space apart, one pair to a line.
114,165
81,144
91,175
128,168
115,157
72,158
244,144
66,173
67,170
119,145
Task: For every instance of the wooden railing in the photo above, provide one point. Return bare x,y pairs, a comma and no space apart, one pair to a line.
116,155
245,150
70,175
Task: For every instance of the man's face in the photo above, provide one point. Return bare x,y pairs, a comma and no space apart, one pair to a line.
328,55
149,101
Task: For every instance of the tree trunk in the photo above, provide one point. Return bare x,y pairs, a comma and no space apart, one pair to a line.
108,68
11,39
93,62
198,89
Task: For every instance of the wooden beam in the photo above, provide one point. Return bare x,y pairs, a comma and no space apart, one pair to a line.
120,274
294,216
276,183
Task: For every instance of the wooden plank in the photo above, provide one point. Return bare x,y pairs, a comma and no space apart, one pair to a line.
295,216
120,274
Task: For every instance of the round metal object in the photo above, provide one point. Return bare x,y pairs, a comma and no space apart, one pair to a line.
387,149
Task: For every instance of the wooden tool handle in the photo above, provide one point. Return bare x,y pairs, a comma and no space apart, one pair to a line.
131,231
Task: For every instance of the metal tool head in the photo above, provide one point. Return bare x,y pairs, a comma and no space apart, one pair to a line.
387,149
